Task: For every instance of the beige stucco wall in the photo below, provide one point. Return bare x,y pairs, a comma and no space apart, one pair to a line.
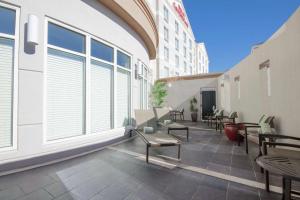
283,51
180,92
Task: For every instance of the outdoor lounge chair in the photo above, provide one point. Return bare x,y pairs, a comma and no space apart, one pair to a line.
268,145
158,138
251,131
227,119
212,115
216,118
160,114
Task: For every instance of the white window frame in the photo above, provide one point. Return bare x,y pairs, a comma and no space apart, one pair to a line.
88,58
177,61
166,34
176,44
166,14
15,102
176,27
166,54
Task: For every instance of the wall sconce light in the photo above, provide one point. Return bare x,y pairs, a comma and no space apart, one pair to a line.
33,30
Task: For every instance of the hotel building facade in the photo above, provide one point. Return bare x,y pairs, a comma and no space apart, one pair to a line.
177,51
71,78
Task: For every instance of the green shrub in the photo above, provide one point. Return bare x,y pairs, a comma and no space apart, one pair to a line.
158,94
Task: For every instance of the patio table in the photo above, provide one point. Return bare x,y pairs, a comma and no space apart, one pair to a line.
288,168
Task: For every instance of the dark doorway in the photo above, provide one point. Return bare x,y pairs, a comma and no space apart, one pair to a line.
208,102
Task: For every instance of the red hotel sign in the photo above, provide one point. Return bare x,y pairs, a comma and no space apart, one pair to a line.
181,13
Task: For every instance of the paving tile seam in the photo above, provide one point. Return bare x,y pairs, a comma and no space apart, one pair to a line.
156,160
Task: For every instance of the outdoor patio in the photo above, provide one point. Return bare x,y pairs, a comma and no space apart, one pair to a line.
120,172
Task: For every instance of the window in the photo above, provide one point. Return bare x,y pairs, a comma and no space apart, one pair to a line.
77,105
184,52
177,73
64,38
101,87
191,70
176,27
184,37
123,60
123,98
7,21
102,51
8,72
144,87
185,67
191,58
176,60
166,54
166,14
166,72
166,34
176,44
190,44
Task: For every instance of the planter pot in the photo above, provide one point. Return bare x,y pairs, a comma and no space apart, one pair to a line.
194,116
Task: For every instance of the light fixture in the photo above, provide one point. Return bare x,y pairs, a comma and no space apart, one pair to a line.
33,29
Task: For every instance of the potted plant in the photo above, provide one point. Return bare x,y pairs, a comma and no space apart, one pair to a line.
158,94
194,109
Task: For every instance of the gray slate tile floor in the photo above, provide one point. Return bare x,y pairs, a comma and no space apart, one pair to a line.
112,175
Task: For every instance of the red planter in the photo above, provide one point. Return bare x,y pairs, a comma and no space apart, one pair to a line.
231,131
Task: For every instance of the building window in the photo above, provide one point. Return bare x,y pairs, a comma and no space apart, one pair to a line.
166,54
184,37
64,38
77,105
191,70
166,34
177,73
102,51
177,44
101,87
238,85
123,60
176,60
144,84
176,27
8,75
190,44
185,67
166,72
65,83
191,58
166,14
184,51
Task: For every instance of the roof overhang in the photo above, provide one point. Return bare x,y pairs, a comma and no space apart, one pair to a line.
137,14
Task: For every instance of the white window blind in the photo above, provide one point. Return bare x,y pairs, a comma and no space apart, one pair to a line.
65,95
123,98
101,96
145,95
141,93
6,91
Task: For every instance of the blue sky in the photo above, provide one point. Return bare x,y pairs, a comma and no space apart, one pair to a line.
230,27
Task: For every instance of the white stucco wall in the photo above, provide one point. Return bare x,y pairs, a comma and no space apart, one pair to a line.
181,92
88,16
283,51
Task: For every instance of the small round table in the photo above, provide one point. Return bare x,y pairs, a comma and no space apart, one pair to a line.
286,167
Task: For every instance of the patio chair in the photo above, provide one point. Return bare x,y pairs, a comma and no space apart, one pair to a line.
145,121
216,118
287,147
174,113
160,114
210,116
227,119
251,131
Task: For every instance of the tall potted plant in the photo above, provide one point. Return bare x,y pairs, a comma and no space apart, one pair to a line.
158,94
194,109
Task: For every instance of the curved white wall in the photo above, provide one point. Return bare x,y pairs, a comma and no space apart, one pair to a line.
88,16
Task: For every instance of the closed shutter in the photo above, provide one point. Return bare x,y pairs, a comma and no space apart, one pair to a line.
123,97
6,91
101,96
65,95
